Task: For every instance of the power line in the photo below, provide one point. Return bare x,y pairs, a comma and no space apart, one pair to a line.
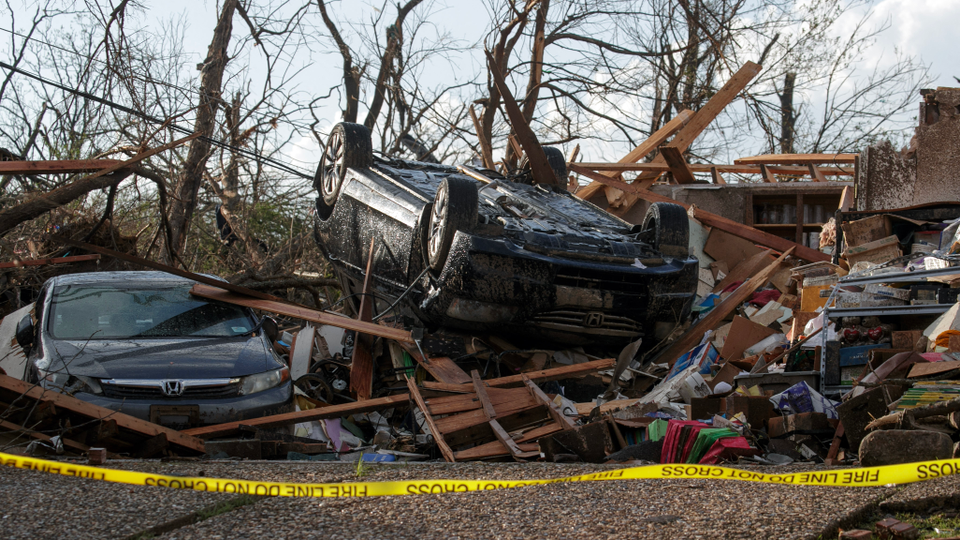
216,142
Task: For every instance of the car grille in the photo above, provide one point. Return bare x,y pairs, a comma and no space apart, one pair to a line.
147,392
620,282
592,322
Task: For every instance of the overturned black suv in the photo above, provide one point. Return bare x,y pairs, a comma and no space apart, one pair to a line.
474,250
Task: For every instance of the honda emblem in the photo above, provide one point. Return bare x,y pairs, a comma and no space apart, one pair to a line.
593,319
172,388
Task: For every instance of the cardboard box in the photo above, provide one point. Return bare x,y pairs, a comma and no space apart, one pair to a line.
906,339
878,251
743,333
857,356
866,230
810,298
726,374
706,407
729,249
757,409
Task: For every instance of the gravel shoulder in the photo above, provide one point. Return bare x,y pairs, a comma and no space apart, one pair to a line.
39,505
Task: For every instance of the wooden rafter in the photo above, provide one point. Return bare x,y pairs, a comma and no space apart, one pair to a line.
641,151
798,159
618,168
713,220
678,167
361,364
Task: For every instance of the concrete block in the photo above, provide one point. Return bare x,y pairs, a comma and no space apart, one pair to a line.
893,446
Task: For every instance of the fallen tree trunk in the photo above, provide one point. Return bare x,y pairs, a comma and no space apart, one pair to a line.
908,419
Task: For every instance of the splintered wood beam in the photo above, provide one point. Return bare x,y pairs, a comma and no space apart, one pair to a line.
555,412
694,334
678,167
361,364
302,313
767,175
286,419
44,262
69,443
717,178
641,151
445,449
536,157
798,159
442,368
846,199
501,434
486,151
695,127
713,220
56,167
543,375
816,174
606,168
89,410
482,395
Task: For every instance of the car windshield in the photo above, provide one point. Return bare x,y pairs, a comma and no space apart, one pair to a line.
111,312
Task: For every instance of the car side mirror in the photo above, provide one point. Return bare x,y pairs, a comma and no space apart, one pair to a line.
25,331
270,328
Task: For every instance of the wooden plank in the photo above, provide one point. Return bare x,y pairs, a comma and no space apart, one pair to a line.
816,174
717,177
641,151
697,124
694,334
468,402
476,417
168,269
846,199
361,362
480,433
442,368
932,368
712,220
536,157
437,434
620,168
555,412
487,407
90,410
542,375
767,175
798,159
302,313
68,443
505,439
43,262
678,167
286,419
56,167
496,449
486,150
481,392
542,431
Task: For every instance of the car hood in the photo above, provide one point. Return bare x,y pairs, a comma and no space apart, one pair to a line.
202,358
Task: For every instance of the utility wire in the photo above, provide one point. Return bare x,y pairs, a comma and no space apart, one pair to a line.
253,155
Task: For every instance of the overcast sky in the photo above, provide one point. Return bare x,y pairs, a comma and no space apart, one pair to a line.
926,29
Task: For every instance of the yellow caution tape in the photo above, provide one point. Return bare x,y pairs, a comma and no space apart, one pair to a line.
862,477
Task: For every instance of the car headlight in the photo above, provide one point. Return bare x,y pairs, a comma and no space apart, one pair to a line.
71,384
264,381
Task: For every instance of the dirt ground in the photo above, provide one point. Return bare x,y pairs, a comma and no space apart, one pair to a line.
38,505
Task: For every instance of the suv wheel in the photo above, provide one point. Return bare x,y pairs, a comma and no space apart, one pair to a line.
348,145
454,209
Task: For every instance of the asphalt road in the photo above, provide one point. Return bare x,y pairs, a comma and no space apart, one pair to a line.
37,505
